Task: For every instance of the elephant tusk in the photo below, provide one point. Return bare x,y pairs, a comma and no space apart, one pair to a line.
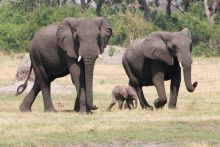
79,58
100,56
181,65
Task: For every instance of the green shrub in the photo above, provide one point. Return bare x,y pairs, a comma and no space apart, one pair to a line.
9,37
127,27
202,49
112,51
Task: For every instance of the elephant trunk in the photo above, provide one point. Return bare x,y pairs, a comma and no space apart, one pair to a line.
187,78
89,62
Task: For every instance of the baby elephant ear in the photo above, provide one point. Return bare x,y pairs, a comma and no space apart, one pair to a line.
105,32
65,38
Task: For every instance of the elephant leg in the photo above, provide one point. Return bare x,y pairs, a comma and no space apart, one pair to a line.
43,81
158,81
130,104
174,89
144,104
114,101
120,104
29,99
78,79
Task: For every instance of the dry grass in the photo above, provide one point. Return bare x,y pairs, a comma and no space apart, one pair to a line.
195,123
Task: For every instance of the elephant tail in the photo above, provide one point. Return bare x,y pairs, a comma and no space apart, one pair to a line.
22,87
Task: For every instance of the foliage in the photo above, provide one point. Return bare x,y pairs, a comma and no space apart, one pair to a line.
217,18
197,10
19,20
20,35
111,51
8,38
127,27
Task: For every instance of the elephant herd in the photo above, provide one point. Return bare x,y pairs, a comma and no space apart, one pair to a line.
72,47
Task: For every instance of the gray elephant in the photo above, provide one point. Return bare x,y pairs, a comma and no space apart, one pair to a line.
68,47
157,58
123,93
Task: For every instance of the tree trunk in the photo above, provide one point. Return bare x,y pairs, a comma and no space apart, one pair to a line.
210,13
99,7
146,9
207,12
168,10
83,5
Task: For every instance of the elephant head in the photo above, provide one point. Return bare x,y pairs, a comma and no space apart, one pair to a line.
167,46
85,40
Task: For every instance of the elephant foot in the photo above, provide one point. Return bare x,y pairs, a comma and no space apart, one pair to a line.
52,109
170,106
24,108
148,107
158,103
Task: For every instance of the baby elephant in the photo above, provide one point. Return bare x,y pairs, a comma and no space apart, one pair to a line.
123,93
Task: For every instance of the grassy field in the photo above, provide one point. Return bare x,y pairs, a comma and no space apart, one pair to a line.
196,121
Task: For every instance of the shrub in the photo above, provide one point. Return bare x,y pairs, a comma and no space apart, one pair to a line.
9,37
127,27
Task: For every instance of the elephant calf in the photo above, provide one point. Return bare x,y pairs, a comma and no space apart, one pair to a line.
123,93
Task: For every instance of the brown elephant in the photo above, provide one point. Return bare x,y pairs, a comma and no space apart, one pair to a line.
123,93
67,47
157,58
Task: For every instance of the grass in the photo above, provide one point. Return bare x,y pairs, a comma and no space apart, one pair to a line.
196,121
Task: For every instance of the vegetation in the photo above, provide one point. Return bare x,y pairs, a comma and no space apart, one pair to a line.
21,19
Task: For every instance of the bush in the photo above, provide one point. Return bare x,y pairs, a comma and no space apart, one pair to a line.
9,37
127,27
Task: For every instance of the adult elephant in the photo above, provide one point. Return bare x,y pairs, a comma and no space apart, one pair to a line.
70,46
156,58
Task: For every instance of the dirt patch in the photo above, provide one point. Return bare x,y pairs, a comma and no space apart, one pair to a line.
124,142
55,88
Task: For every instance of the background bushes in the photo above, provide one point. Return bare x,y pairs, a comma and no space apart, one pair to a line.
18,23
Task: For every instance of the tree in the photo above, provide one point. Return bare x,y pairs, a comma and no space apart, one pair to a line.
142,3
210,10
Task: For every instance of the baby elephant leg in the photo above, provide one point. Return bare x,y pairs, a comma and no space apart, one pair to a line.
126,105
112,103
120,102
110,106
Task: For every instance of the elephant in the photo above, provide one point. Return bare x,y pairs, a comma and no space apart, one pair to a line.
151,60
67,47
123,93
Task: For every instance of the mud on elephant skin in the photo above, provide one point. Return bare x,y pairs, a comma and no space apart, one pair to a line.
67,47
121,93
157,58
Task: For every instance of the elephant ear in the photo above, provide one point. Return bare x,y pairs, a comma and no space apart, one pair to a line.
156,48
188,34
65,37
105,32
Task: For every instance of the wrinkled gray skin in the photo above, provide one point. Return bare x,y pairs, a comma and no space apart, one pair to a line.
154,59
121,93
54,53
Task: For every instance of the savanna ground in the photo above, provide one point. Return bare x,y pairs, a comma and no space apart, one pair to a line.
196,121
